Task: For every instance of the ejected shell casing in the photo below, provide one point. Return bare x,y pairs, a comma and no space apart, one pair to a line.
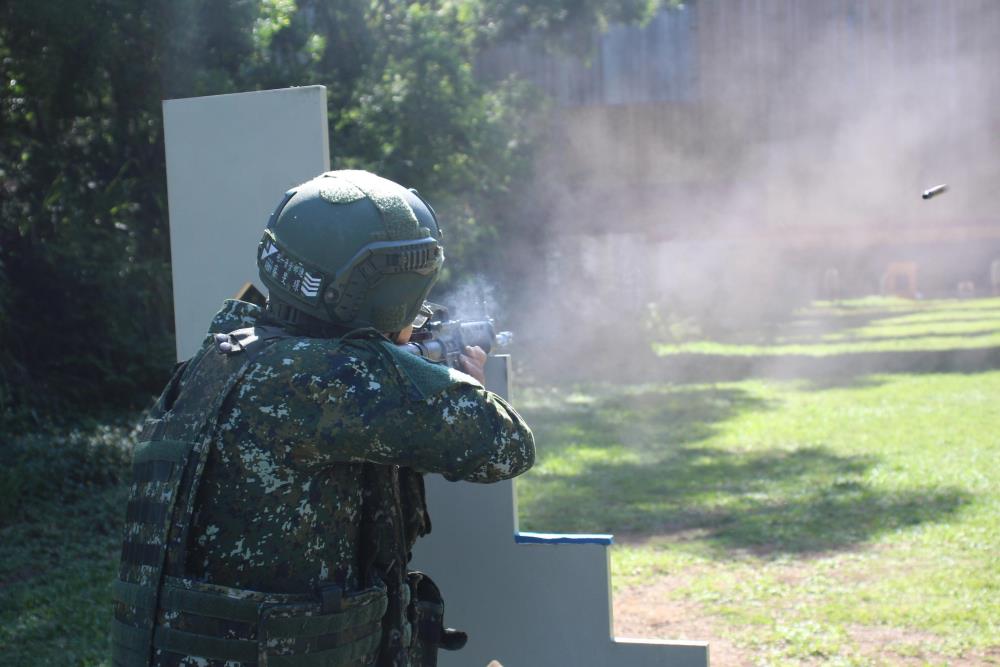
935,191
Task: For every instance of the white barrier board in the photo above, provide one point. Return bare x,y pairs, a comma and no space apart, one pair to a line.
526,600
229,159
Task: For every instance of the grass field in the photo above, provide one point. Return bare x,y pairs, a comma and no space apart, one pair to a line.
875,324
61,504
844,519
794,522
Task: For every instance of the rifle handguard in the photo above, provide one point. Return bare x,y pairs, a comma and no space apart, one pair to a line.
444,342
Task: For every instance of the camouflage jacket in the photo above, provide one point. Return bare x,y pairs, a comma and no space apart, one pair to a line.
289,495
279,506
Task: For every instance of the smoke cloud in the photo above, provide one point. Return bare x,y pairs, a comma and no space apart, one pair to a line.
796,158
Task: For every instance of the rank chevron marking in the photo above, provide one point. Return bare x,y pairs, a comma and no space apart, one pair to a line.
310,285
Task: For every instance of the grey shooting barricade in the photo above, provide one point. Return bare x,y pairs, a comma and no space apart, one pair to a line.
525,599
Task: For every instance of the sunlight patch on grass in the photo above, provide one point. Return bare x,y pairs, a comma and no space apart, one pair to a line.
577,460
873,325
929,343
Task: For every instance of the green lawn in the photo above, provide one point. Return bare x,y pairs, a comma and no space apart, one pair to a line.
854,522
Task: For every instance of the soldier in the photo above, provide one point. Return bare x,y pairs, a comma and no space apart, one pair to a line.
278,481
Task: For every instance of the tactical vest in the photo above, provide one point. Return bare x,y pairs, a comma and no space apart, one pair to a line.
158,609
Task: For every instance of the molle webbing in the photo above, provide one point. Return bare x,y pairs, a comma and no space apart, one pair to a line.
204,646
155,467
274,630
166,471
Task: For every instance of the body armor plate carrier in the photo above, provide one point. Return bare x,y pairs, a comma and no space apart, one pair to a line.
236,626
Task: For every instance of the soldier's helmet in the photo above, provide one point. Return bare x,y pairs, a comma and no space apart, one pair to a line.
351,249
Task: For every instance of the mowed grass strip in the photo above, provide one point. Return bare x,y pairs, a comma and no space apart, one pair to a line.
858,326
857,524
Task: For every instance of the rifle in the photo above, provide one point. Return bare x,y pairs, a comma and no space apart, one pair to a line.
439,339
435,337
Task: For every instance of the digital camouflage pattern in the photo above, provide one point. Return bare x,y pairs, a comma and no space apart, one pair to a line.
289,493
280,499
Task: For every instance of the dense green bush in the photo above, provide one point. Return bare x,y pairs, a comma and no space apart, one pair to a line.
47,468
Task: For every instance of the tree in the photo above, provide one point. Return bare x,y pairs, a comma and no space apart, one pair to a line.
84,249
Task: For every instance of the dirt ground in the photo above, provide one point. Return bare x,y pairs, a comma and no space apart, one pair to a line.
651,612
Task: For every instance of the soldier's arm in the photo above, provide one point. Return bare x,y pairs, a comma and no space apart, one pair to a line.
417,414
463,432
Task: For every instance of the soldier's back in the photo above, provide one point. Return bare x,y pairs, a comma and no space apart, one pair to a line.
279,507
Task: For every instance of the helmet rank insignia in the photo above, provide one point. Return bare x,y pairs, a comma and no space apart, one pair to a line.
289,273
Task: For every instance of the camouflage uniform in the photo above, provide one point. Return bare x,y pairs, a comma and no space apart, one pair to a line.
311,480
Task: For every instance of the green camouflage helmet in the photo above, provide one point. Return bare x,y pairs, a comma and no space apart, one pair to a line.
352,249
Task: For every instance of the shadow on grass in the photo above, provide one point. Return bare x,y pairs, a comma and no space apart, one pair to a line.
974,350
642,364
726,368
822,383
820,324
644,416
836,516
953,317
636,465
865,339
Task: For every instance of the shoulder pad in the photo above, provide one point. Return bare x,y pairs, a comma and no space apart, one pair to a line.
234,314
429,378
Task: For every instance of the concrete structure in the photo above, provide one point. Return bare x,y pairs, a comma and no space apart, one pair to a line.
524,599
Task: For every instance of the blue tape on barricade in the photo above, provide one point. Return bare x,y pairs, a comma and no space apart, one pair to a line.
561,538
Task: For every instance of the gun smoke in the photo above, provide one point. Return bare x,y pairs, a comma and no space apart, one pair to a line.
790,158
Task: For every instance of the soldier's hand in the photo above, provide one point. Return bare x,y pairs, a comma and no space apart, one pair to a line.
474,363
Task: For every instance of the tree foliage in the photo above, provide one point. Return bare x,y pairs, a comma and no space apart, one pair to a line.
85,298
